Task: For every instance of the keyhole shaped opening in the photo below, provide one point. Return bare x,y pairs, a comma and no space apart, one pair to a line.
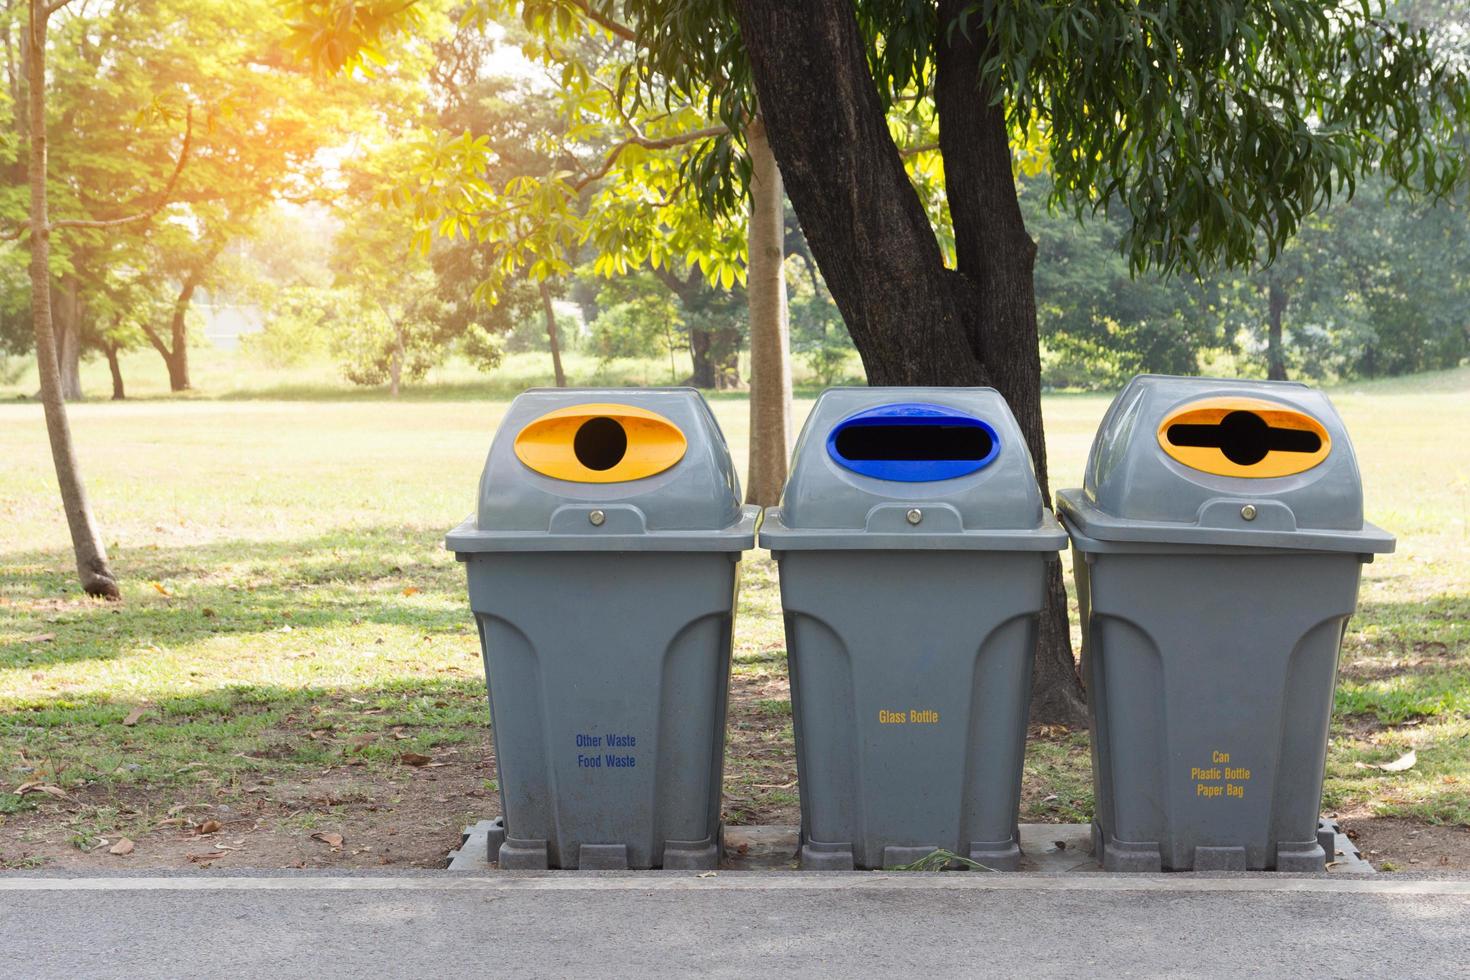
1245,438
600,443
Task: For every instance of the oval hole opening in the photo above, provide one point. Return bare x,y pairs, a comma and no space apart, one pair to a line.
1244,438
914,443
600,443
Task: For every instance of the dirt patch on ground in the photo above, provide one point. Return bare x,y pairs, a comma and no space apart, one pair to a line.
760,756
1392,844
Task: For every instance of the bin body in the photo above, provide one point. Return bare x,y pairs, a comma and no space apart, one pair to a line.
911,593
1213,608
605,612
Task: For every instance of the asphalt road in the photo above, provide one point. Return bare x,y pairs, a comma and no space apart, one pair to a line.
445,926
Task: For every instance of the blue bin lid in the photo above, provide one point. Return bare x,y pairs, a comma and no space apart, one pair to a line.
868,457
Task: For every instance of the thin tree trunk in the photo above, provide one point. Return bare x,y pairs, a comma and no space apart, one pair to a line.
1276,300
177,357
118,394
914,322
553,336
69,359
395,363
770,333
91,556
66,324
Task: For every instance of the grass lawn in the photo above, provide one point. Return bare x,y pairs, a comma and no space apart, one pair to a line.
293,677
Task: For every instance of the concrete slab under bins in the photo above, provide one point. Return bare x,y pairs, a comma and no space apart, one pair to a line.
1045,847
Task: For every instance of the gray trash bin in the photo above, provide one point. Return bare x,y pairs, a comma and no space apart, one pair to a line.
602,573
1218,542
912,543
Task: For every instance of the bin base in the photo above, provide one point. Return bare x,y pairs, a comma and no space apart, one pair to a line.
821,856
818,856
698,855
523,855
1004,856
486,842
1147,856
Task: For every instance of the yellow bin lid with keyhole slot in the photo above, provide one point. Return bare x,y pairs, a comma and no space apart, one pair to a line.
1221,463
1244,437
600,443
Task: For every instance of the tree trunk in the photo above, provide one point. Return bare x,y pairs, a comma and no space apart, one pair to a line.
997,259
553,335
715,355
66,324
91,556
395,363
914,322
1276,300
701,342
770,332
118,394
177,358
714,352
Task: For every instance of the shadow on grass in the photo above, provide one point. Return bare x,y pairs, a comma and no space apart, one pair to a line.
231,734
1437,627
390,576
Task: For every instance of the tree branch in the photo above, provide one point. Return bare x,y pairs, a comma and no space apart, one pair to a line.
602,20
914,151
163,198
661,143
155,339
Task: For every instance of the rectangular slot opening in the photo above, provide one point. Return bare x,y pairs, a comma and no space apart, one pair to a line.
913,443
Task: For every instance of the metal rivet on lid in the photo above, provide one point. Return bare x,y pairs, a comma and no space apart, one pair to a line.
1248,512
597,517
915,515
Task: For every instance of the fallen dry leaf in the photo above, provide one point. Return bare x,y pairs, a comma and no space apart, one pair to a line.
1402,763
410,591
40,638
39,787
334,841
206,858
160,588
415,759
123,846
133,716
209,827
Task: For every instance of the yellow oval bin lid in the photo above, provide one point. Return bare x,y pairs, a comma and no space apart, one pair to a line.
1221,462
600,443
632,469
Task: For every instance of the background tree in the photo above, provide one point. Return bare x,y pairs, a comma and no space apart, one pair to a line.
93,567
395,328
621,187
